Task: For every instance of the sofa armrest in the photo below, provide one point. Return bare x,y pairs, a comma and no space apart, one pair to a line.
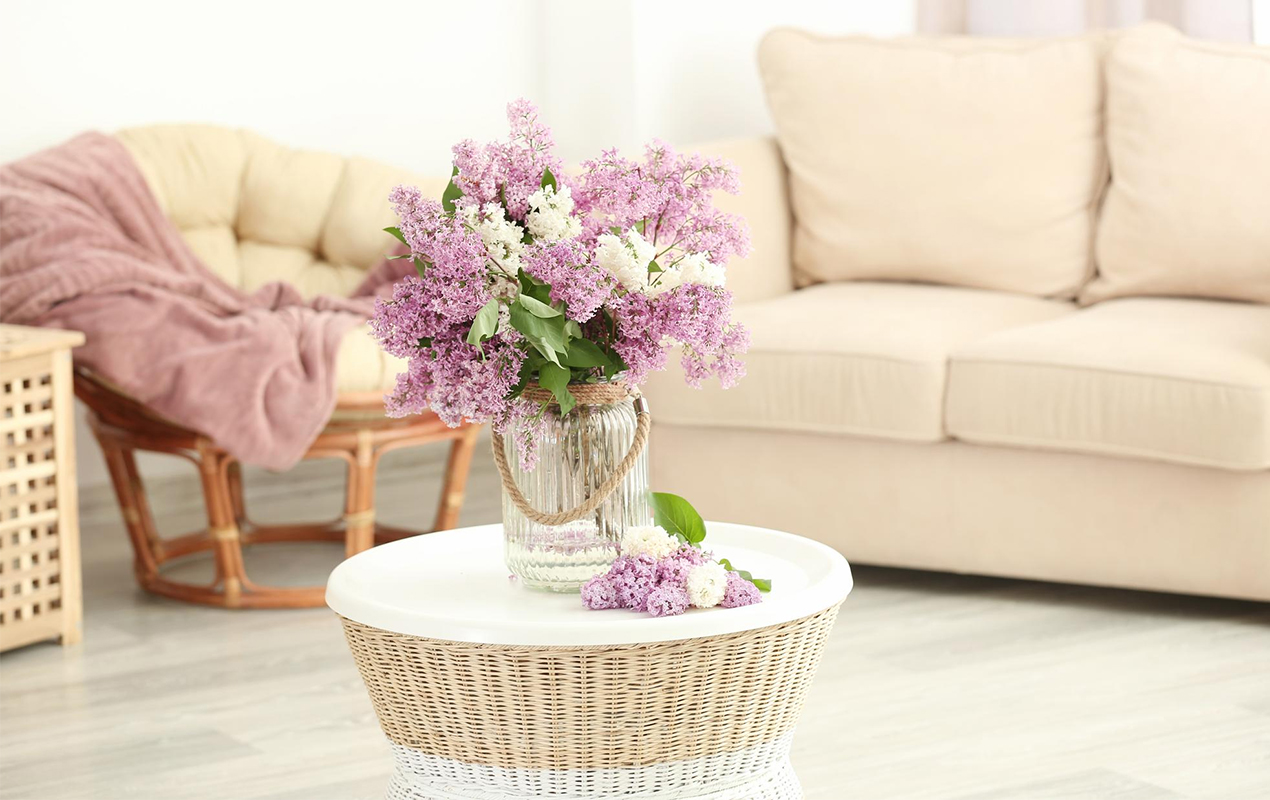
764,203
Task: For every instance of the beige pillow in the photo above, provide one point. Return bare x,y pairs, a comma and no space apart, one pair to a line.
973,162
1188,133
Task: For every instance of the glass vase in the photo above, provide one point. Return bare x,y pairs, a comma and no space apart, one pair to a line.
577,453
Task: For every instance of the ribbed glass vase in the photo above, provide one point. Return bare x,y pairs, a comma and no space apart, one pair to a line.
578,452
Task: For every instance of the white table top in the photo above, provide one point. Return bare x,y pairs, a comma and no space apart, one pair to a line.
454,585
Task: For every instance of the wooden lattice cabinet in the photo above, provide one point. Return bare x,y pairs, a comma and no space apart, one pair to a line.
40,594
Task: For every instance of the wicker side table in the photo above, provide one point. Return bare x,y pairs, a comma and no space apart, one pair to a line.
487,689
40,595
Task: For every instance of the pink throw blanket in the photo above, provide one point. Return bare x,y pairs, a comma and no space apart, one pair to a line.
84,245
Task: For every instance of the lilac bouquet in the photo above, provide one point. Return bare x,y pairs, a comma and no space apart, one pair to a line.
527,275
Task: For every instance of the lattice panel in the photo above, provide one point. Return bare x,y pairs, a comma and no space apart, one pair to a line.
30,566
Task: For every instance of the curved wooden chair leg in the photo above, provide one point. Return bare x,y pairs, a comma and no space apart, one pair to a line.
238,502
359,502
137,520
455,486
222,524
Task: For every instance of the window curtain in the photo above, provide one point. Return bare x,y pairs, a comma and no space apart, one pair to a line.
1219,20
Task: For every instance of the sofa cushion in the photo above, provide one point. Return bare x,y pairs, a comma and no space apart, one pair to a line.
1188,134
1186,381
972,162
860,358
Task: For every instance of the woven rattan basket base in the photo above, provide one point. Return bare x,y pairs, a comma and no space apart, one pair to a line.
656,720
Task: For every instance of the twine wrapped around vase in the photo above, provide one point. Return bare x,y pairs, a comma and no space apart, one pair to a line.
586,394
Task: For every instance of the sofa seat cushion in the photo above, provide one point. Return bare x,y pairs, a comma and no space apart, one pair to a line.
1186,381
857,358
361,366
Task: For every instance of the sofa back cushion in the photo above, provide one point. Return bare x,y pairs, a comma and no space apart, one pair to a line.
255,211
972,162
1188,134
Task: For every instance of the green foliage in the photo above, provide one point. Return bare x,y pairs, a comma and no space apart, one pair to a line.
452,193
585,354
556,378
537,307
677,516
485,324
548,179
396,233
762,584
653,266
421,266
547,336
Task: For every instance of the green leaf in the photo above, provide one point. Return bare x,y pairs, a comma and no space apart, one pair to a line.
548,179
585,353
451,193
762,584
396,232
616,231
639,226
573,330
653,266
546,335
395,258
485,324
537,307
556,378
421,266
677,515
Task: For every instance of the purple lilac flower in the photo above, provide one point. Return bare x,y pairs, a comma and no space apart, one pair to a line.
575,279
667,600
675,567
633,579
740,592
599,594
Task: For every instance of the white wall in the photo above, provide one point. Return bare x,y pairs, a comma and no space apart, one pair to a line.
391,79
395,80
620,73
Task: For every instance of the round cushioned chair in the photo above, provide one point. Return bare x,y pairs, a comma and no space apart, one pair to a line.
256,212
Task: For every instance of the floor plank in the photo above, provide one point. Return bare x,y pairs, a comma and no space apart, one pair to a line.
934,686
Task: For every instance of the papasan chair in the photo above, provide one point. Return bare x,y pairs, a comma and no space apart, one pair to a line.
256,212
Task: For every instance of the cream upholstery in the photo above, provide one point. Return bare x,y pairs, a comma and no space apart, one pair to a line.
255,212
1186,381
764,203
862,358
962,507
972,162
1188,131
914,425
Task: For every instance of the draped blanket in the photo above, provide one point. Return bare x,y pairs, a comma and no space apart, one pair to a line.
84,245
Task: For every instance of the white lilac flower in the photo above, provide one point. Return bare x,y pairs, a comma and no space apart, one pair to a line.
697,268
550,217
648,540
626,259
501,236
707,584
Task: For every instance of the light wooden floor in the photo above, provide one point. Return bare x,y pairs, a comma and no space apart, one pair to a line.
935,686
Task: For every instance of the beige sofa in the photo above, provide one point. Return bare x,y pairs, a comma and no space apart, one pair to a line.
1010,310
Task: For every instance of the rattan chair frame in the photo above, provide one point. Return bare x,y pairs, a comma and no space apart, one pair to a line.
358,433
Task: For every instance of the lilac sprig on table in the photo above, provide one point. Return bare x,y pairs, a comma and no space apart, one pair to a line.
664,571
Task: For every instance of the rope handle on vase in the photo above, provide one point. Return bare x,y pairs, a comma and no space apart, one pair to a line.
602,492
